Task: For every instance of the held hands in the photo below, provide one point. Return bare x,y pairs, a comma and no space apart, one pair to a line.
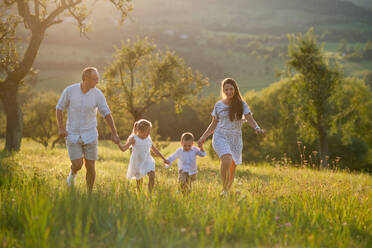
167,163
62,132
115,138
258,130
201,147
121,146
200,143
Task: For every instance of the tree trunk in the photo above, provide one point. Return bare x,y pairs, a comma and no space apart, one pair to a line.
323,145
14,118
137,115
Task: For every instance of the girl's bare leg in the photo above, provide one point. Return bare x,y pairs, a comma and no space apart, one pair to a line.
151,175
139,185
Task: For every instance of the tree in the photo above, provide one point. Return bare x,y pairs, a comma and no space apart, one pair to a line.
367,53
343,47
40,118
368,78
141,76
203,108
37,16
313,86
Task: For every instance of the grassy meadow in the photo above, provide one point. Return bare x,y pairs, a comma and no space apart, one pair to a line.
268,206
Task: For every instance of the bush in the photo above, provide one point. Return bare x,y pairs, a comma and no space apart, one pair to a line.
40,121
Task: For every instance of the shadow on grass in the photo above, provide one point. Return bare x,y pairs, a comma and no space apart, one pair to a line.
5,154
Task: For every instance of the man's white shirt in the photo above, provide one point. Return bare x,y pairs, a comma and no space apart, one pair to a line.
82,111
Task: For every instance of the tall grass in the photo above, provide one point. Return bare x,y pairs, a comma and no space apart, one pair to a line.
268,206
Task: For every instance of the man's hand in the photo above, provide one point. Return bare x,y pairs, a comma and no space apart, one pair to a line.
62,132
115,138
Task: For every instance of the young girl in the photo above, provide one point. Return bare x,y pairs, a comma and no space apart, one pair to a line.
226,128
141,163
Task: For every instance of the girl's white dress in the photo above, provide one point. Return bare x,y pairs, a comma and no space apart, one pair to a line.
227,137
141,162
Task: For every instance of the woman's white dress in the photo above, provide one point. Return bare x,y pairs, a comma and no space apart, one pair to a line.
141,162
227,137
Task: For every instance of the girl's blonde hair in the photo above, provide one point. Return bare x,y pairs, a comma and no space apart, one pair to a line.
141,125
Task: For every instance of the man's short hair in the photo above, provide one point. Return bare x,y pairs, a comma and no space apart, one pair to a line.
187,137
87,71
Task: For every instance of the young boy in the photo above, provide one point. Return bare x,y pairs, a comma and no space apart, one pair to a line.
186,155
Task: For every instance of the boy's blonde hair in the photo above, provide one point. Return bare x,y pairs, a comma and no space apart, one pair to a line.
141,125
187,137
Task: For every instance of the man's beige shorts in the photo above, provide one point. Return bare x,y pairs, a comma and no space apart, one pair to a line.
80,150
184,177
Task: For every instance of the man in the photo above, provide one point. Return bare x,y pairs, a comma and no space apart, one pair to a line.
81,101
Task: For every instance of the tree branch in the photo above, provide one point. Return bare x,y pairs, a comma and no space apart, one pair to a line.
37,8
24,11
59,10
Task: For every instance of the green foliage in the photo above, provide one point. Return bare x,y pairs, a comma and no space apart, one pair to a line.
350,136
367,54
352,100
313,86
273,110
357,54
203,108
141,76
343,47
368,78
40,118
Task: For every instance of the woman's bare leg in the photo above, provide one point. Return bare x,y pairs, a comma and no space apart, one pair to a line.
232,174
226,161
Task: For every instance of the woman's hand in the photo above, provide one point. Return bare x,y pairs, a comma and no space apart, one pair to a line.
259,130
201,142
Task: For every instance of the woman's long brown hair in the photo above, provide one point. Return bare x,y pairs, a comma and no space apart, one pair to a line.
236,104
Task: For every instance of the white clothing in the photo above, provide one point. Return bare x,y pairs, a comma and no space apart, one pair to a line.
141,162
186,159
227,137
82,111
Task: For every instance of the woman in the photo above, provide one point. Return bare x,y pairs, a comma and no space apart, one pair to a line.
227,118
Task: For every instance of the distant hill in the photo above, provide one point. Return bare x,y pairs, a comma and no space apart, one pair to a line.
245,39
363,3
